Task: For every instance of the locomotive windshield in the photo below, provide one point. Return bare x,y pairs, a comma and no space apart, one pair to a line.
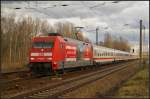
43,44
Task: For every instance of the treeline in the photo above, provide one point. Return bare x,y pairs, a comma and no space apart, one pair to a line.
117,43
16,35
67,29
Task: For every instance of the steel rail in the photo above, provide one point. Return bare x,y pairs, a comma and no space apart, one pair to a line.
22,79
59,90
59,84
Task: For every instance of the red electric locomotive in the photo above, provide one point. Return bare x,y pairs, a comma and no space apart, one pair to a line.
54,52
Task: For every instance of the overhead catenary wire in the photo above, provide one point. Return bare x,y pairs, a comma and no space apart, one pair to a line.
56,5
65,11
39,10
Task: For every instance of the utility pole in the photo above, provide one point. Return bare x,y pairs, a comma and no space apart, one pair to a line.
140,47
97,35
144,48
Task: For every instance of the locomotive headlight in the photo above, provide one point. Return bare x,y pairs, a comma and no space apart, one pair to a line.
55,63
49,58
32,58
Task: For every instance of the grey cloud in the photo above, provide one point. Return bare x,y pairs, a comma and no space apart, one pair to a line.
106,13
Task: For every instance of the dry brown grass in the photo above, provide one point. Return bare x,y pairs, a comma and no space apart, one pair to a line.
137,86
13,67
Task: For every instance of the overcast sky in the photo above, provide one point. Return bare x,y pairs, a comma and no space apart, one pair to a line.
121,18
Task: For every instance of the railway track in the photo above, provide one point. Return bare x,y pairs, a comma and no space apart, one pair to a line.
20,84
21,76
14,76
59,88
76,83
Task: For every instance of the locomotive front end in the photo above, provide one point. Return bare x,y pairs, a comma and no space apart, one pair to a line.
40,56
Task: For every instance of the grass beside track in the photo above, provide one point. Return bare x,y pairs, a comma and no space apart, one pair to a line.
137,86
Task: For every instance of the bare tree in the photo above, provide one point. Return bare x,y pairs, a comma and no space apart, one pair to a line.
16,38
116,43
108,42
66,29
121,44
